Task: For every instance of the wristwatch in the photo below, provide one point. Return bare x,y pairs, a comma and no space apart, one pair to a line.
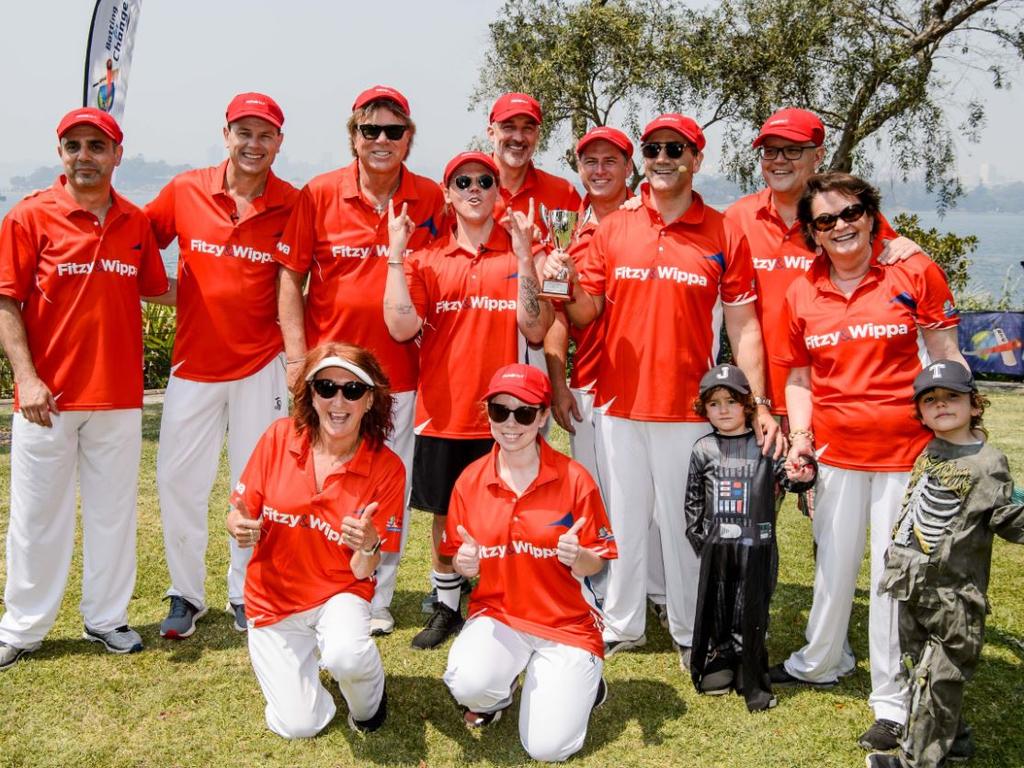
372,550
765,401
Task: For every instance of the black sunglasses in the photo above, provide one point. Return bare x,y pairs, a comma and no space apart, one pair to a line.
484,181
350,390
393,132
524,414
674,149
826,222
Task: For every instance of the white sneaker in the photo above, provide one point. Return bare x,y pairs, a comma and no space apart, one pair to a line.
381,622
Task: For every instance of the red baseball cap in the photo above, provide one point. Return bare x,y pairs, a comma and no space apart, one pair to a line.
379,92
795,124
685,126
255,105
605,133
529,384
91,116
512,104
470,157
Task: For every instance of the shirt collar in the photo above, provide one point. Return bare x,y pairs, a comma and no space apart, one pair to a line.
498,240
349,183
547,473
693,216
273,190
68,205
299,446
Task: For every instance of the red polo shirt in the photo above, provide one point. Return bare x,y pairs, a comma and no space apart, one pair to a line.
227,276
780,255
662,286
299,561
342,242
553,192
79,283
468,304
864,353
522,583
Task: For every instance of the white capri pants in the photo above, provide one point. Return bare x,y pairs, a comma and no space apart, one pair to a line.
286,657
195,416
402,441
847,503
559,688
643,467
102,448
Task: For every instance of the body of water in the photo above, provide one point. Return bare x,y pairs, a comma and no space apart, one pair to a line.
994,265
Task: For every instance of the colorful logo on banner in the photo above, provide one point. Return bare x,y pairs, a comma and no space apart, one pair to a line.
991,342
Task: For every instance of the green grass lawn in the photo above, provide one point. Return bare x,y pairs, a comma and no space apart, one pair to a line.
196,702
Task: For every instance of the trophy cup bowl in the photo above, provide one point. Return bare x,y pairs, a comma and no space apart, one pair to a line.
561,226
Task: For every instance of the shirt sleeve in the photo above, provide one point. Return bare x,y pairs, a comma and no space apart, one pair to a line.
596,533
152,274
18,259
792,352
451,540
160,212
936,308
390,497
738,286
295,248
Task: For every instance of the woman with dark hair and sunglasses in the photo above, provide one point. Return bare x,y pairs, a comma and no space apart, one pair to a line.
337,237
471,298
857,333
529,521
321,496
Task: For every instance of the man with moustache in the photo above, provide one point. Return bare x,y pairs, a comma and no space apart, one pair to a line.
74,261
228,364
337,237
663,274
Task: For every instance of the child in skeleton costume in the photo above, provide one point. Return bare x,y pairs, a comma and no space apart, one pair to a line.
732,497
938,564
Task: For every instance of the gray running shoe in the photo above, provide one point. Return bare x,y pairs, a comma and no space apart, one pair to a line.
181,618
237,610
614,646
10,654
124,639
381,622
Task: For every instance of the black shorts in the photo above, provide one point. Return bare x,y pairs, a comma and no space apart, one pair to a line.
437,463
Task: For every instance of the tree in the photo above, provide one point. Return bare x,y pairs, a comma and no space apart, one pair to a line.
870,70
950,251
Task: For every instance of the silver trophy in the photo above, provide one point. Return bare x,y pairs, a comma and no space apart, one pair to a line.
561,226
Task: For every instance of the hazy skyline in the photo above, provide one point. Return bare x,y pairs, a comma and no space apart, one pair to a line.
191,57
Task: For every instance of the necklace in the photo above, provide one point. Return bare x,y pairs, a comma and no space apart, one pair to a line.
380,206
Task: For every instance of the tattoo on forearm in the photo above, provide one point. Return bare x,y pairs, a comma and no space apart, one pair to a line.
401,309
528,290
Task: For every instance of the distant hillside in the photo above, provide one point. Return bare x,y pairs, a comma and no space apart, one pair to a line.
133,173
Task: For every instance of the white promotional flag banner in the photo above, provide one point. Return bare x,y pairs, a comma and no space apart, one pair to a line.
108,56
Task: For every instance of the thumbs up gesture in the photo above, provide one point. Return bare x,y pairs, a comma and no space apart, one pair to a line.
358,531
467,559
569,544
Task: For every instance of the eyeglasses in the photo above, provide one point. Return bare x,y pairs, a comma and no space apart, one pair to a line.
524,414
674,149
350,390
393,132
792,152
826,222
484,181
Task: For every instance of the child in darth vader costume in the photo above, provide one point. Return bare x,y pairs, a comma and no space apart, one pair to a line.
732,497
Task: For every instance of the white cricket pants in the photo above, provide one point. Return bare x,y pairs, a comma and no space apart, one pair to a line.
847,502
559,688
195,416
102,448
286,657
402,442
583,444
643,467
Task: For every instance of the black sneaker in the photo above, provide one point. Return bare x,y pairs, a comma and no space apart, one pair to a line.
442,624
882,760
780,677
882,736
602,695
963,747
375,721
483,719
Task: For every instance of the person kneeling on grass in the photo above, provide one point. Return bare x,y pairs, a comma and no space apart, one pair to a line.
938,564
320,497
530,522
732,497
